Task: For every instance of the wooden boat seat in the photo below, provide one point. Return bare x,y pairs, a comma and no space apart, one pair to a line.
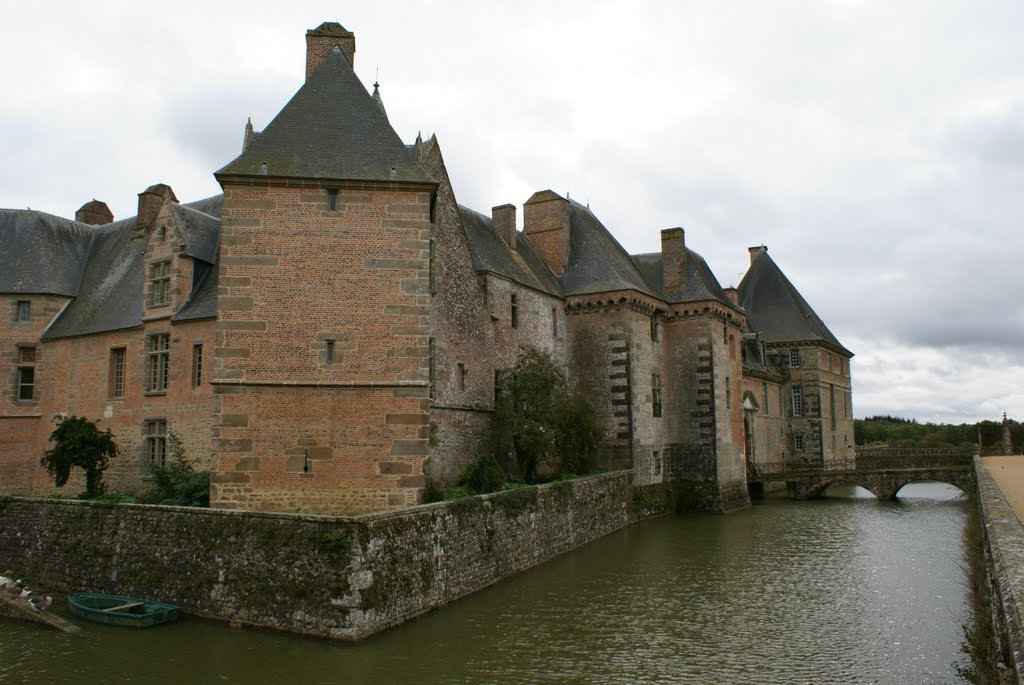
122,607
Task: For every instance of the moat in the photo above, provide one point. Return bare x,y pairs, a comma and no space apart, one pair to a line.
835,590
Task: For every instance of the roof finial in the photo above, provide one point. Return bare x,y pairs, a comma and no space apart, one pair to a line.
377,98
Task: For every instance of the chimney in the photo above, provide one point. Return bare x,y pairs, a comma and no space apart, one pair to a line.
733,295
673,259
323,39
757,251
546,223
94,213
503,217
150,201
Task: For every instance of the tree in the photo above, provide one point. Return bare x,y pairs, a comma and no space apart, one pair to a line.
540,423
78,442
177,482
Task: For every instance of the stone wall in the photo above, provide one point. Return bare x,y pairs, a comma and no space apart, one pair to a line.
1004,543
345,578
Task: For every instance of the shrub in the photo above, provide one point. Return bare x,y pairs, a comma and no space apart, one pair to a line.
484,475
177,482
78,442
541,424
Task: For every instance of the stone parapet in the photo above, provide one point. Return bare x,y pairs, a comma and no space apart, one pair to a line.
1004,542
338,577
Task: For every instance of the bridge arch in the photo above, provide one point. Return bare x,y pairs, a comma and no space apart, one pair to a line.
817,488
958,481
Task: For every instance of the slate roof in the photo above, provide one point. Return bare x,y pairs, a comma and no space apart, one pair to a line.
490,253
212,205
199,231
202,301
41,253
330,129
597,263
777,309
699,282
110,295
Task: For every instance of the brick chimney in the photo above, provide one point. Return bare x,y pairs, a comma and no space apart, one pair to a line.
733,295
94,213
673,259
756,251
324,38
546,222
151,200
503,217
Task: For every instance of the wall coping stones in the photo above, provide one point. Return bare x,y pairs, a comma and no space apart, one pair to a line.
1004,537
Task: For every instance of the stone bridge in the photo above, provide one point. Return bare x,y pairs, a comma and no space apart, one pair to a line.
881,470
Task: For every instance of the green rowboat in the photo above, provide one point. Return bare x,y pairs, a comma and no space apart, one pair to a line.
121,611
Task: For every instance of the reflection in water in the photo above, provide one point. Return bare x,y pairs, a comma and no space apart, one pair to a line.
825,591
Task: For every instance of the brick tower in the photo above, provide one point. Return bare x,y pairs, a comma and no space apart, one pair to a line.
321,352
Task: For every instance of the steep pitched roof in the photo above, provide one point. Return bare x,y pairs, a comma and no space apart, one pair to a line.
110,296
597,263
699,282
200,232
330,129
490,253
41,253
777,309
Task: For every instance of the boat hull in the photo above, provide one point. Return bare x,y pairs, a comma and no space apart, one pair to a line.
121,611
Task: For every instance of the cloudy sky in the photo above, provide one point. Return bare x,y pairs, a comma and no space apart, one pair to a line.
877,148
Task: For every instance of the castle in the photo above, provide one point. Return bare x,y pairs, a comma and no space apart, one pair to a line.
331,330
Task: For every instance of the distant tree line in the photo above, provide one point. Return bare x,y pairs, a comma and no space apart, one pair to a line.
895,431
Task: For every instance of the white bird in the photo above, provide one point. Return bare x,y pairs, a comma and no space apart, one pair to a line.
15,588
41,603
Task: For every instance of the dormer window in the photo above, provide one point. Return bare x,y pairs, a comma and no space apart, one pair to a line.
160,284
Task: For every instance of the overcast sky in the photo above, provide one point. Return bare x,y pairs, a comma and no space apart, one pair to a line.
877,148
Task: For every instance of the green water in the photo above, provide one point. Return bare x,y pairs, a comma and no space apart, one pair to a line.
827,591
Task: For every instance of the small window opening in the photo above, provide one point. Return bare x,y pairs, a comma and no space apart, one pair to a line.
794,358
798,443
797,401
656,395
330,351
514,311
462,377
24,311
498,385
116,373
655,328
332,200
197,365
554,322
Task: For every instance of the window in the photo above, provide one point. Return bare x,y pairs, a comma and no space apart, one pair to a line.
197,364
115,380
657,463
462,377
798,443
797,401
728,393
514,312
794,359
656,394
498,385
160,284
26,374
157,362
24,313
26,382
655,328
332,200
554,322
832,404
156,441
329,352
431,368
764,398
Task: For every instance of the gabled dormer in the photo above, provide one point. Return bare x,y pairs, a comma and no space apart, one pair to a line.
165,281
